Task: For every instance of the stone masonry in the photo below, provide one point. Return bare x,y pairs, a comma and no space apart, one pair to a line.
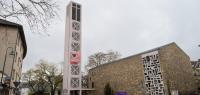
127,74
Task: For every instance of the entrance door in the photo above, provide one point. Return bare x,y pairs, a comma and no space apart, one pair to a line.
74,92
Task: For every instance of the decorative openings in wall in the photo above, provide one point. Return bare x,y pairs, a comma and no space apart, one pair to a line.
75,46
76,36
75,70
152,74
74,82
76,26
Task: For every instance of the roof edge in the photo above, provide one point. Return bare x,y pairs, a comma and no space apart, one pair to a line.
157,48
20,30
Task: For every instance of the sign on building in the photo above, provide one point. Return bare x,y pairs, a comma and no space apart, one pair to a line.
121,93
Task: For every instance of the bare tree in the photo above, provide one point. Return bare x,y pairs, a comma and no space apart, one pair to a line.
35,81
99,58
51,74
96,59
84,80
45,77
111,56
36,13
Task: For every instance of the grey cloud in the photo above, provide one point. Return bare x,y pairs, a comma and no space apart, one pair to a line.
128,26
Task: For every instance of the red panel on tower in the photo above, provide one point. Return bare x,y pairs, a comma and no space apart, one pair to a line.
75,59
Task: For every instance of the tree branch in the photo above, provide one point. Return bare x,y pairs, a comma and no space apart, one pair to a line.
38,13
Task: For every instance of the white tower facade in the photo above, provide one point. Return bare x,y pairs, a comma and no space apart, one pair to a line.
72,52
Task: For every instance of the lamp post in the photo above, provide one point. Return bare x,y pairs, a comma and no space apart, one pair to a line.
11,53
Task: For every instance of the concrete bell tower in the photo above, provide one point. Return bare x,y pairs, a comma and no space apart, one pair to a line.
72,52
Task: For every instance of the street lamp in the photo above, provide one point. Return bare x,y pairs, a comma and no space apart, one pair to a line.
11,53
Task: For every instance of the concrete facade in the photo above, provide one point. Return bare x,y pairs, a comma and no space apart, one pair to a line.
127,74
72,51
12,52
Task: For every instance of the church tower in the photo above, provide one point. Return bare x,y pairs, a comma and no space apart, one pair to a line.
72,51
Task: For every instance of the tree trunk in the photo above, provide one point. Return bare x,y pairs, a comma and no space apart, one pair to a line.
53,91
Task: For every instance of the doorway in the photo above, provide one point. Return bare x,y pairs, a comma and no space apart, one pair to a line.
74,92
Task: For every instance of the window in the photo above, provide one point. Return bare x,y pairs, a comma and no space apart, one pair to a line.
73,4
16,57
21,67
17,41
73,13
21,47
19,61
78,6
92,84
92,73
76,12
13,74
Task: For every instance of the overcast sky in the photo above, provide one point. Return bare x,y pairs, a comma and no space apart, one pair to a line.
127,26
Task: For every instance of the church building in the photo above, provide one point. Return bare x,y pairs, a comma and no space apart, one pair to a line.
160,71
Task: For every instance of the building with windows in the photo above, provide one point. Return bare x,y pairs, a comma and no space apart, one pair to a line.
13,50
196,72
195,64
158,71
